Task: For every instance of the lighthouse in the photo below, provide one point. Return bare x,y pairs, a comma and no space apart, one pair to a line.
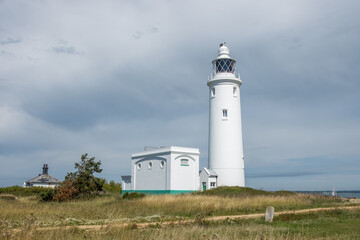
226,157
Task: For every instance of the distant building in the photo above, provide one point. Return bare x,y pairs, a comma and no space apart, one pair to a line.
163,170
208,179
43,180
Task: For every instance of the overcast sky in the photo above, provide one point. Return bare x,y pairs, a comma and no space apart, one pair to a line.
110,77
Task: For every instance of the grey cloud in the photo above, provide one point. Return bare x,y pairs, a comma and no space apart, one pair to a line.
299,94
140,34
137,35
153,30
67,50
6,53
10,40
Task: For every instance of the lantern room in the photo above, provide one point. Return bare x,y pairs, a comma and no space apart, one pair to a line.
223,63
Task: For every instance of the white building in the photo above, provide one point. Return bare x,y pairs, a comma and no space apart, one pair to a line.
163,170
226,156
43,180
208,179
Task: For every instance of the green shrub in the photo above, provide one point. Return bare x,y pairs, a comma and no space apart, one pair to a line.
48,195
21,191
133,195
112,187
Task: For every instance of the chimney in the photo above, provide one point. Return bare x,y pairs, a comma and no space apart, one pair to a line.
45,169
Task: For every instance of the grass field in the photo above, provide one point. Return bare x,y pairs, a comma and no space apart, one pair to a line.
27,218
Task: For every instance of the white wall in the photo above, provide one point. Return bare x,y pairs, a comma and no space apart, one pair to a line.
172,176
184,177
154,178
45,185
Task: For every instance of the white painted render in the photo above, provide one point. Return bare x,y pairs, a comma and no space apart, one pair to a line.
162,169
45,185
225,132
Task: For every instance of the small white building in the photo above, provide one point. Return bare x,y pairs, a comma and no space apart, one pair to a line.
208,179
163,170
43,180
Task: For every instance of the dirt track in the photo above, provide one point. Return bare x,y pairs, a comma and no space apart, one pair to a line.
215,218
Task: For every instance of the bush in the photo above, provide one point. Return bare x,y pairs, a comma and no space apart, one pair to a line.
112,187
48,195
133,195
66,191
21,191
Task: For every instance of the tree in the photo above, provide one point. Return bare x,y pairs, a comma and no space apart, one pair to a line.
83,179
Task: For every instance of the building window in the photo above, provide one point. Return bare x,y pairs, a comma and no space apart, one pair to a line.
235,91
213,92
184,162
150,165
139,166
162,164
225,113
212,184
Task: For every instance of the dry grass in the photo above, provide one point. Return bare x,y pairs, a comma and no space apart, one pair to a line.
27,214
190,205
336,224
151,208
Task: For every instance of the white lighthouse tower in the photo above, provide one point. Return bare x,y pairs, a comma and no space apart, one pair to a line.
226,155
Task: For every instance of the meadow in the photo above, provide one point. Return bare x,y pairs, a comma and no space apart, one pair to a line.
26,217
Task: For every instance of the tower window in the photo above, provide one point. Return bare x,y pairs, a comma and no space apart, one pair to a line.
225,113
139,166
235,91
162,164
150,165
213,92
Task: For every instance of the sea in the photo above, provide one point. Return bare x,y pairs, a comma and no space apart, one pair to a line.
344,194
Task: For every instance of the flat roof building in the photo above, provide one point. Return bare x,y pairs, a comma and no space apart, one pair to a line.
163,170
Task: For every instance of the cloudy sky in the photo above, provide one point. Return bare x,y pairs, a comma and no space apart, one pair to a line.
110,77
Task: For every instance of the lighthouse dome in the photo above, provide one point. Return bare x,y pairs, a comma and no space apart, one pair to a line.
223,50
